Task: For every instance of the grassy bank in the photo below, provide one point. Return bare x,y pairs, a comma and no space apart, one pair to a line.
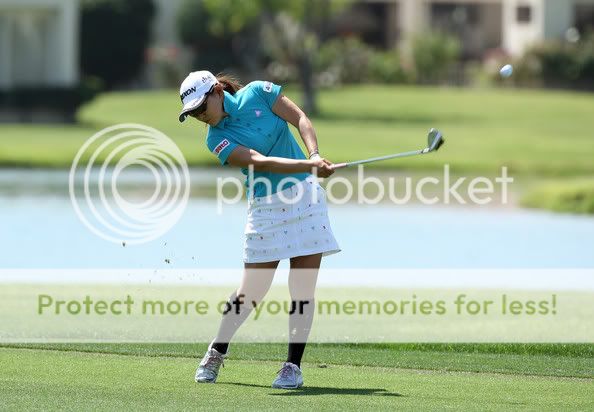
575,196
537,133
346,377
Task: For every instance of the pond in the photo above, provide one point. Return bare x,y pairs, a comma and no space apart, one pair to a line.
39,229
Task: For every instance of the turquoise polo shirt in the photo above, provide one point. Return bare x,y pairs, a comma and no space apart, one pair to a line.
252,123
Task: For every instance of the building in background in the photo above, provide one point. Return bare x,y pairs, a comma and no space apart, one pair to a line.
38,52
512,25
38,43
505,26
39,39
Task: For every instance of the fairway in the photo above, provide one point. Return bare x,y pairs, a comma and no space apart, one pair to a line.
45,379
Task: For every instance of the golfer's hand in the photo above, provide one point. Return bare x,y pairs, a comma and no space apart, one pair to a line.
321,167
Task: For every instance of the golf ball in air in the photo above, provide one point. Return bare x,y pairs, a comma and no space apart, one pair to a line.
506,70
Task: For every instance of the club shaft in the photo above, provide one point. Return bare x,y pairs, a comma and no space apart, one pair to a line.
377,159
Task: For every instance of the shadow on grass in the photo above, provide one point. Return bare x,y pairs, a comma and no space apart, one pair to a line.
322,390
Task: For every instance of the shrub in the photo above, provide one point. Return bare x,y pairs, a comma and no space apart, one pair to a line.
347,58
558,64
433,55
386,67
63,102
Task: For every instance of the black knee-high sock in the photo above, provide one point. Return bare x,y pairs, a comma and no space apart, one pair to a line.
300,320
236,312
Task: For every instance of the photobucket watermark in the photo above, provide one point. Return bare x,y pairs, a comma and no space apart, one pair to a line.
428,190
96,174
349,305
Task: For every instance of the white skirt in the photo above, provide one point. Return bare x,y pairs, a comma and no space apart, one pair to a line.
290,223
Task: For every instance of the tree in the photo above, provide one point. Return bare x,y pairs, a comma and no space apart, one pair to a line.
114,37
308,17
212,42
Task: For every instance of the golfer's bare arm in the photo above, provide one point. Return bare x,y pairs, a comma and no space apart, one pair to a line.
242,156
289,111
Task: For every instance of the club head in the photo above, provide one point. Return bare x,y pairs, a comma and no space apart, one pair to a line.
434,140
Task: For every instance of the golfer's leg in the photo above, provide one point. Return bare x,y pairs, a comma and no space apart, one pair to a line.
302,284
257,278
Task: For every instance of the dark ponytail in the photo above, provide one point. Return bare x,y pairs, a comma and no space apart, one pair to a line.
230,84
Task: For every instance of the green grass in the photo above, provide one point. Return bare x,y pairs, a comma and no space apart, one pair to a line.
160,377
537,132
563,196
562,360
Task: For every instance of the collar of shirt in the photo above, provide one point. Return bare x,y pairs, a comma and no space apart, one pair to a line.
230,106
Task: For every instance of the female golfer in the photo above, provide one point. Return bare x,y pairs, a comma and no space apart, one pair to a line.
287,214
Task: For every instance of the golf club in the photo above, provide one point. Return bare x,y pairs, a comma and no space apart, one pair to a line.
434,141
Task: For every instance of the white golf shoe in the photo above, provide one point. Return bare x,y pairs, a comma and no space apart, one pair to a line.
208,369
289,377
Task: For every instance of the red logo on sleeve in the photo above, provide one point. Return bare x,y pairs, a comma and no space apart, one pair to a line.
221,146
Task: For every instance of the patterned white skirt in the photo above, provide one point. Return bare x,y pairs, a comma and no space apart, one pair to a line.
290,223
